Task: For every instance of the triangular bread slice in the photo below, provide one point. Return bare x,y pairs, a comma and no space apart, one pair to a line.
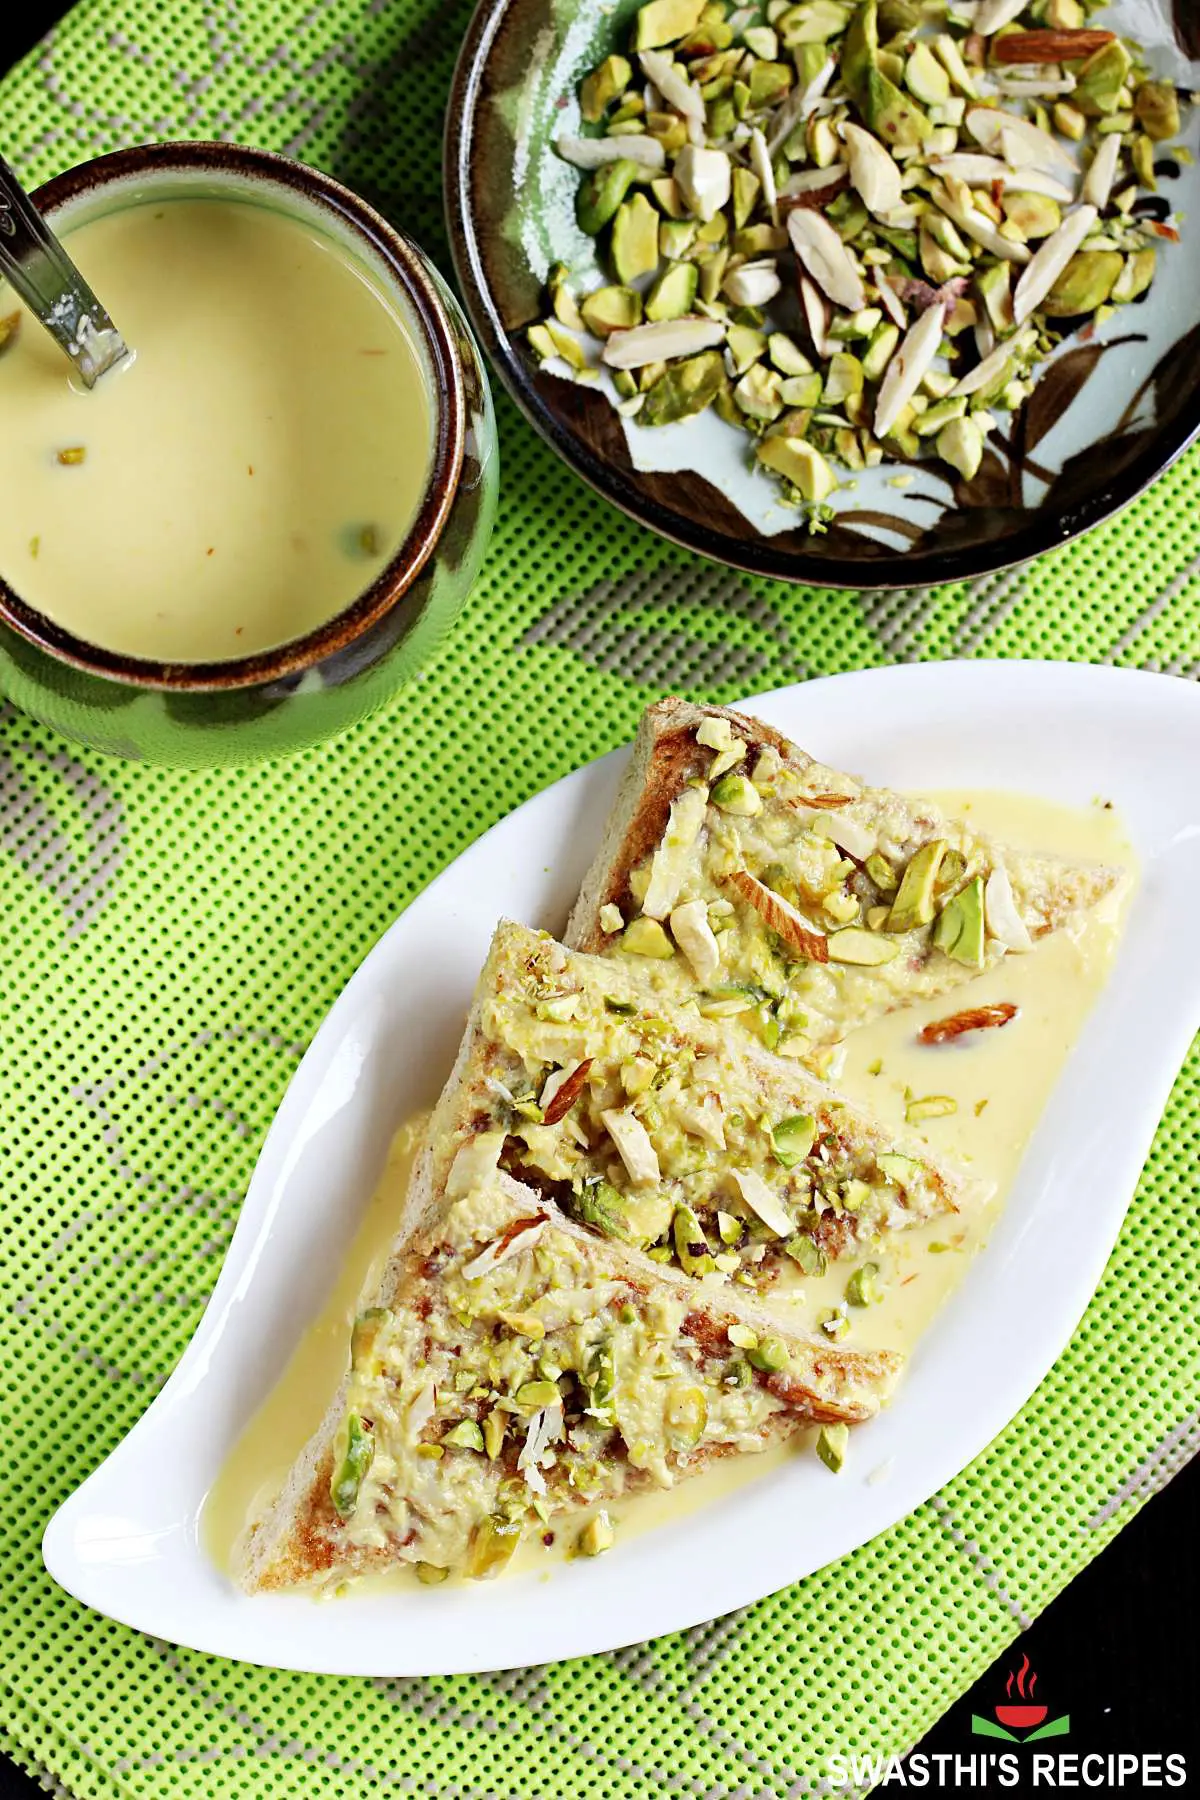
811,902
515,1367
662,1127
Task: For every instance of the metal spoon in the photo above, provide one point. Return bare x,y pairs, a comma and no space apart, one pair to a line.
42,273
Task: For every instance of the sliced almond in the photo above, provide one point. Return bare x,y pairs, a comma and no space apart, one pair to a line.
475,1163
812,181
703,1119
779,916
633,1146
799,104
984,373
1035,88
847,834
1098,182
521,1235
670,861
816,316
993,15
561,1090
891,303
972,221
760,162
991,126
826,259
873,172
691,930
1050,261
908,368
673,84
813,187
593,153
1000,911
983,171
644,344
762,1201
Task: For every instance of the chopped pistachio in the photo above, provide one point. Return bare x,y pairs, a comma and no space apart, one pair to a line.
431,1574
356,1460
494,1428
466,1435
808,1257
925,77
532,1395
768,1356
959,930
493,1543
746,188
913,905
684,389
1100,80
960,443
1156,109
1086,283
1137,273
601,193
646,937
793,1138
902,1171
879,100
600,1205
691,1245
800,463
1141,155
685,1416
634,241
863,1286
932,1106
609,309
832,1443
866,949
603,86
597,1536
737,795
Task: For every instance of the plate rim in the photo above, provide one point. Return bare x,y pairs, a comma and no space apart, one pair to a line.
943,1467
753,555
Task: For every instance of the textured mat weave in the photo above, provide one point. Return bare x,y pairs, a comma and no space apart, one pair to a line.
171,941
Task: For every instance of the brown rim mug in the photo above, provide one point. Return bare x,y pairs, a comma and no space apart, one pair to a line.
272,701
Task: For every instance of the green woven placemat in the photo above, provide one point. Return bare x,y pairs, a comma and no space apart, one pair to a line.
170,942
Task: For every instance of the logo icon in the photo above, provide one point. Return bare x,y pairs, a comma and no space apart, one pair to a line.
1021,1717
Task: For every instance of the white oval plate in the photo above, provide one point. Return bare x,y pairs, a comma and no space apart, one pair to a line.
127,1542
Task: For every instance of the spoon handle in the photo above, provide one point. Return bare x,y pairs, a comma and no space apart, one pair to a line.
44,276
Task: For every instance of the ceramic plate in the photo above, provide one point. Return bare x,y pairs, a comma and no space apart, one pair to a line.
1108,415
127,1541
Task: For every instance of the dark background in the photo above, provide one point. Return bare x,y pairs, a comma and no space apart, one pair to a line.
1120,1649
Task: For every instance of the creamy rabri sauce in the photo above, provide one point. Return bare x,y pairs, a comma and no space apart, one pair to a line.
1000,1081
253,467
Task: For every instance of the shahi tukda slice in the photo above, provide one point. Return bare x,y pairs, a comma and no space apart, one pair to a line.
793,898
515,1366
655,1125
